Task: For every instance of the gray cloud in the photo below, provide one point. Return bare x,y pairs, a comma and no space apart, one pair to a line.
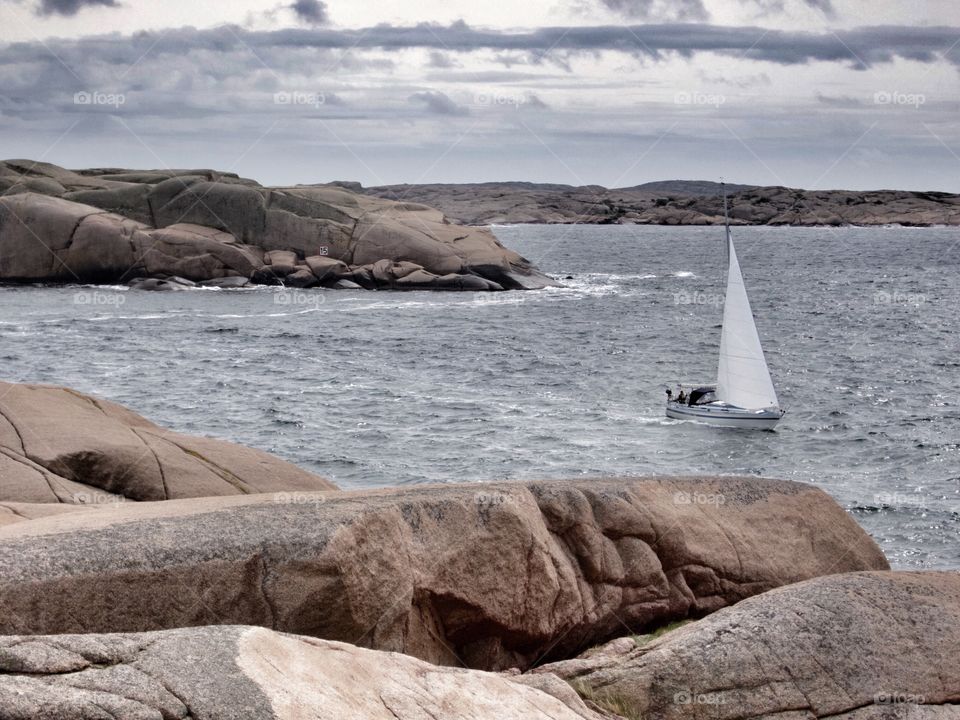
659,9
860,47
311,11
692,10
866,46
774,6
438,103
491,76
770,7
825,6
71,7
190,90
441,60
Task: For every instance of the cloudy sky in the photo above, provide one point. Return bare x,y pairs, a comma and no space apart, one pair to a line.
807,93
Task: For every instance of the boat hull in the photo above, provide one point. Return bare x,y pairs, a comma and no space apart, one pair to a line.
726,416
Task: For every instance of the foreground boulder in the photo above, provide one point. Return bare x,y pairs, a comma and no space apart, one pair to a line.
491,576
108,226
231,672
61,446
852,646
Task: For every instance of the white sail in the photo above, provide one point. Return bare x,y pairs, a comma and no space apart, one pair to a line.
742,375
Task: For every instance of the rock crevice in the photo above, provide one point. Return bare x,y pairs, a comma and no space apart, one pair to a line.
877,643
493,575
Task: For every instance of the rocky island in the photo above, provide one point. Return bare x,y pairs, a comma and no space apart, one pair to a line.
674,203
170,229
146,573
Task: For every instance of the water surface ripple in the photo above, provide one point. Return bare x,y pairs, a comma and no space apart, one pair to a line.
373,389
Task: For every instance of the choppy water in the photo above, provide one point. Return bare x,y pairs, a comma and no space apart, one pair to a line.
860,325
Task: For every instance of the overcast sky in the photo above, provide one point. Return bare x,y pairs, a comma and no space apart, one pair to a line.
821,94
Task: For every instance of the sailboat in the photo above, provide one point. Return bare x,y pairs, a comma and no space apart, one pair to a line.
743,395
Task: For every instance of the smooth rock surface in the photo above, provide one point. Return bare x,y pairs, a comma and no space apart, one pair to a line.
490,576
853,645
14,512
105,225
61,446
245,673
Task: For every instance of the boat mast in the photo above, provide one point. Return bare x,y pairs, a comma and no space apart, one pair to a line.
726,225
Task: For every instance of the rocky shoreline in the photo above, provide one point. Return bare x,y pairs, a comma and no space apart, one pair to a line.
171,229
149,574
179,229
674,203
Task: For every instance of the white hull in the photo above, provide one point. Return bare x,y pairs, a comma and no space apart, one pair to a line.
726,416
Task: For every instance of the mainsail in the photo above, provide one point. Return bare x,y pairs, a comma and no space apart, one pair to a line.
742,375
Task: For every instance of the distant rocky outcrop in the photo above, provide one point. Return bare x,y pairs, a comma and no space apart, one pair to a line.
111,225
59,446
492,576
675,203
688,188
851,646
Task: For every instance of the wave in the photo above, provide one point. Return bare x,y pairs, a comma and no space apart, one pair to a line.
231,316
384,305
115,288
102,318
